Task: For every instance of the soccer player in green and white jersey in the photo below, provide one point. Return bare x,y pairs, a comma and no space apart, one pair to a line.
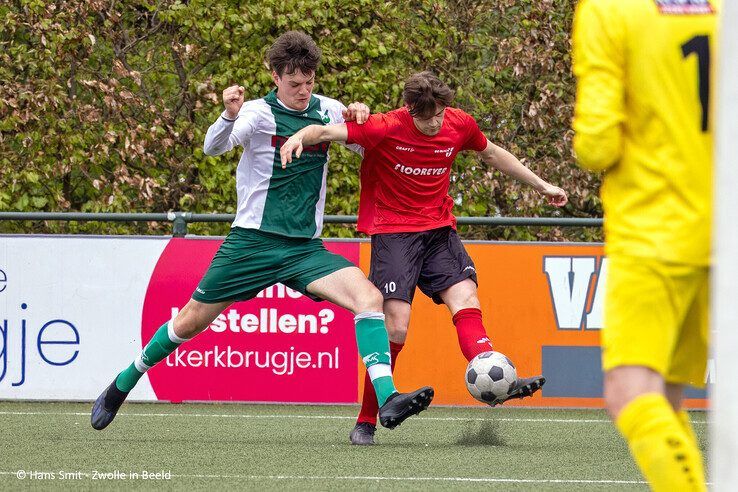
275,237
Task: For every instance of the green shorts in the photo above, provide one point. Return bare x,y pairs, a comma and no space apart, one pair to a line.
250,260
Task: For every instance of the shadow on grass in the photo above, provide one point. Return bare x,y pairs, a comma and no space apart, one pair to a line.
481,434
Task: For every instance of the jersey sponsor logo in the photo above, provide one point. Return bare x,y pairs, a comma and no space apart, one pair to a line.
470,268
447,151
420,171
325,118
405,149
321,148
685,7
200,290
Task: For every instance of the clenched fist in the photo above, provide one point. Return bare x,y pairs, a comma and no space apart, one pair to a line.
233,100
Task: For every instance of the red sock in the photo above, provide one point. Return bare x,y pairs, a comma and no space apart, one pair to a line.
369,405
473,338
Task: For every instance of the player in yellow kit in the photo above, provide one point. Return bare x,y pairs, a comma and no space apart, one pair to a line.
643,116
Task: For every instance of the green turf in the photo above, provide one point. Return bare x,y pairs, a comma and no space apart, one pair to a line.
306,448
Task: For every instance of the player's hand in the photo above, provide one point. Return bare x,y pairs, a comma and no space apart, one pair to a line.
358,112
554,195
233,100
292,145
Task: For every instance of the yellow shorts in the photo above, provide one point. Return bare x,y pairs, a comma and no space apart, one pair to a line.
656,315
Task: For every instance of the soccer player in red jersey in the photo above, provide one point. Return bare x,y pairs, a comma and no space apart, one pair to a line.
405,207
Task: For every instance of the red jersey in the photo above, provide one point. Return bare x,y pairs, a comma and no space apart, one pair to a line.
405,174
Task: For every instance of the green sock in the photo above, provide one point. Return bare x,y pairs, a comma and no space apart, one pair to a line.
163,343
371,337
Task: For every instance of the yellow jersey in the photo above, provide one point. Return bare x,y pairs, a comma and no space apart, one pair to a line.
645,70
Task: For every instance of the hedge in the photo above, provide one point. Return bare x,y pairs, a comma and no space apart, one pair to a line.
104,105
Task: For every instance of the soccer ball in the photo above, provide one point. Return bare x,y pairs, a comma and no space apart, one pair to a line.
490,376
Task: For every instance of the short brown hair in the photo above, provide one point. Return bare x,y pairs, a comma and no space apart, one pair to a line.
294,51
423,92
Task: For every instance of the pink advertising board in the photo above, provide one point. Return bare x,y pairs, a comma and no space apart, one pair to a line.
281,346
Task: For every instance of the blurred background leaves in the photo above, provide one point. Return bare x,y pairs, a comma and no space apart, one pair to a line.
104,104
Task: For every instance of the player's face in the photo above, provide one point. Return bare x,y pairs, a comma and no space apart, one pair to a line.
431,126
294,89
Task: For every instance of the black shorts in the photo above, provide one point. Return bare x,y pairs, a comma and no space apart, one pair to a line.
431,260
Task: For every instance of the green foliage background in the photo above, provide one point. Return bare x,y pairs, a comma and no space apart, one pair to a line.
104,104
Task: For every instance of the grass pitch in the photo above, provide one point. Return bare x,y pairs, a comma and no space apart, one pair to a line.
286,447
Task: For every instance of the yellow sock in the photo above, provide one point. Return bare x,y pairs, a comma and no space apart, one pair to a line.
668,458
686,423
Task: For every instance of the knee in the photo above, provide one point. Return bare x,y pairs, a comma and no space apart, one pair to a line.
468,293
472,301
615,399
624,384
396,332
189,321
184,327
461,296
370,299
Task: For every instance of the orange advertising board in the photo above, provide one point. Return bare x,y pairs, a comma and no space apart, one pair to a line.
542,307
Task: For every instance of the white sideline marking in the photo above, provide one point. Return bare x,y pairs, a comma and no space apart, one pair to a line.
332,417
402,479
418,479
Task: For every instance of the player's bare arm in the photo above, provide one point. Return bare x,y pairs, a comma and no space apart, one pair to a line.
310,135
505,162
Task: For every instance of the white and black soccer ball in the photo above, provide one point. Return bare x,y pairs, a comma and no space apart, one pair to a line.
490,376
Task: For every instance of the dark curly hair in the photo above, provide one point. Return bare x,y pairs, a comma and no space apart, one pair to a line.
423,92
294,51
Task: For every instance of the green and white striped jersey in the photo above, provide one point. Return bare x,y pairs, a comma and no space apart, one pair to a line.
288,202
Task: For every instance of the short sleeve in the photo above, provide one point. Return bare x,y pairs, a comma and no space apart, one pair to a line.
475,139
370,133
